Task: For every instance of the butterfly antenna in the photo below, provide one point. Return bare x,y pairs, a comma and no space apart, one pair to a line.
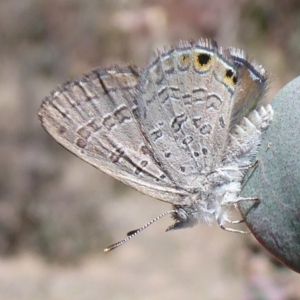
131,234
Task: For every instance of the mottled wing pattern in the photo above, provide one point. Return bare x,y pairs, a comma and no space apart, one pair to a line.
185,102
95,118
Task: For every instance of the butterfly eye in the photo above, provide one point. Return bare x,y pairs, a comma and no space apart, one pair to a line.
230,77
203,61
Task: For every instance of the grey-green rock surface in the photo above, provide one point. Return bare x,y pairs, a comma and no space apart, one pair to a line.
275,222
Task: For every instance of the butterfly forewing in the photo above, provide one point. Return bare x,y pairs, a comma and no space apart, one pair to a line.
95,118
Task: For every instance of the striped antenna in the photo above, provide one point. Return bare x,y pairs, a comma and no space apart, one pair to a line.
131,234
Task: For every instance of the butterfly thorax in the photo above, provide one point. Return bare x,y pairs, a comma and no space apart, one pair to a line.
211,203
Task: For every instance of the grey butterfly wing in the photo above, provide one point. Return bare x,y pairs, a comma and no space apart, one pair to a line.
185,100
95,119
251,87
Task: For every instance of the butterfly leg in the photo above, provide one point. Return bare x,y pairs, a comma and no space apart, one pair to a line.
250,166
254,201
232,229
234,202
246,168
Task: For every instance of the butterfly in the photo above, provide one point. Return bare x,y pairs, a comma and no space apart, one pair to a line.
185,129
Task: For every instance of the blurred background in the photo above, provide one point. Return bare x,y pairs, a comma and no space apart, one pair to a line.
57,213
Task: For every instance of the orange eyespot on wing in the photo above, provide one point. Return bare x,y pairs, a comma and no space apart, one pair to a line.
203,61
230,77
